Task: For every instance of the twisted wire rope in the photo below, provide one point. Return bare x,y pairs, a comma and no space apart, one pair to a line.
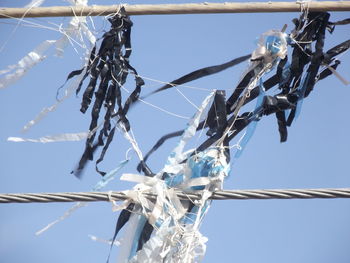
218,195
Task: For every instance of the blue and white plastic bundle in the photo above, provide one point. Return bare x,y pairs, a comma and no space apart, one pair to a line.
175,236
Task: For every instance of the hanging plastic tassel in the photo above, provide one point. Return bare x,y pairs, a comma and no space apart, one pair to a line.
152,225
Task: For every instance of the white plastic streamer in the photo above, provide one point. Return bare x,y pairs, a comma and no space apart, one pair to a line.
341,78
61,218
101,240
76,29
131,139
76,25
34,3
100,185
53,138
175,158
17,71
73,31
42,114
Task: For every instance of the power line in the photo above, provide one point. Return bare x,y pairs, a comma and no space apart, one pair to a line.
166,9
218,195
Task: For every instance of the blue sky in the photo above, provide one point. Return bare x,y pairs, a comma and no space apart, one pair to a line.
164,48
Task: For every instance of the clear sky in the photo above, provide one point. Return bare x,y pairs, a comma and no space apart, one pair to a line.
164,48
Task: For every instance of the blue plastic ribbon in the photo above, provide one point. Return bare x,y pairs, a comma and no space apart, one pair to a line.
252,126
109,176
301,93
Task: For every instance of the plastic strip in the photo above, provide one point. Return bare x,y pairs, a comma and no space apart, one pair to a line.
301,94
63,217
25,64
53,138
101,240
172,165
42,114
100,185
17,71
34,3
109,176
203,72
252,126
342,79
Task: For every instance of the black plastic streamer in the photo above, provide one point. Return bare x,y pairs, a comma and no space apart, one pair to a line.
107,70
307,41
203,72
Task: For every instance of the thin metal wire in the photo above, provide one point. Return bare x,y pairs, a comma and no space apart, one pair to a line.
218,195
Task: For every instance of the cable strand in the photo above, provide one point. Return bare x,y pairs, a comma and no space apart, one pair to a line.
218,195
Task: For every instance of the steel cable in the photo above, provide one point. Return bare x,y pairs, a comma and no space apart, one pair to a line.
218,195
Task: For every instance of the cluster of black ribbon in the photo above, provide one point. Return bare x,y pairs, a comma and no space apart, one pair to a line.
107,70
295,77
307,56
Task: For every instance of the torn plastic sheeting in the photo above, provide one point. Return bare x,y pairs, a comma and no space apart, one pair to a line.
271,45
212,164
